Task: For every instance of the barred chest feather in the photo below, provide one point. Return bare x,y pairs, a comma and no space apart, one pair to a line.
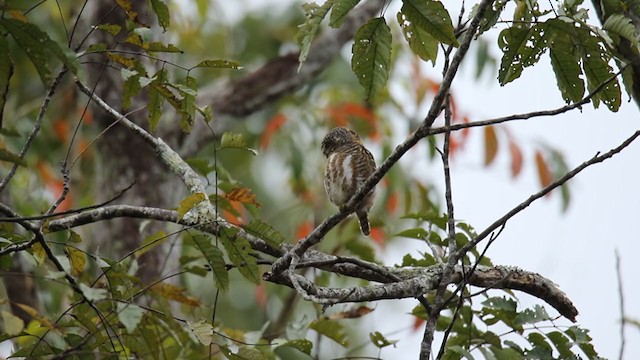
344,173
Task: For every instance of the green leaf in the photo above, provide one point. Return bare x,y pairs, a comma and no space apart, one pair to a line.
156,100
130,316
6,71
408,260
188,104
522,47
93,294
215,258
112,29
432,17
460,351
218,64
307,31
491,15
561,343
151,241
421,42
595,63
131,86
202,330
581,337
36,43
303,345
372,55
160,47
415,233
6,155
331,329
189,202
565,61
11,324
622,26
162,12
239,252
235,141
532,316
380,341
340,10
361,249
265,232
431,217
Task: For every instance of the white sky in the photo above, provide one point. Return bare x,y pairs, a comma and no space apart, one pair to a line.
574,249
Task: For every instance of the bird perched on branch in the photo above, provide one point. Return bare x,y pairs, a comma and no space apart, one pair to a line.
349,164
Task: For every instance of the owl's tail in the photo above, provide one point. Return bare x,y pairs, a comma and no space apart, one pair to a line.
364,222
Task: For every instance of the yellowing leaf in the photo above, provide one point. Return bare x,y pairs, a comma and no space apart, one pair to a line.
202,330
38,253
128,9
490,145
130,316
11,324
34,314
77,260
242,195
189,202
127,62
174,293
331,329
151,241
235,141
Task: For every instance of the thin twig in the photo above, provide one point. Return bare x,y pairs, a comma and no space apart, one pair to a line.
621,304
36,127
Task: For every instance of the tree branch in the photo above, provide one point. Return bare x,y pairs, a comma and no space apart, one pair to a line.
418,281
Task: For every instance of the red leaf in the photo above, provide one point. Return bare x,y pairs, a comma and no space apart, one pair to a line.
304,229
490,145
417,323
516,158
273,125
61,129
261,296
378,236
544,174
346,112
392,202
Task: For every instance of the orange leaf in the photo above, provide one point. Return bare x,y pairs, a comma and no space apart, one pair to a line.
232,217
261,296
392,203
516,158
490,145
377,235
417,323
352,313
544,174
174,293
273,125
61,129
342,113
242,195
304,229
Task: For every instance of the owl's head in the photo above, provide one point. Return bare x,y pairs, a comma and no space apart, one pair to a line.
337,138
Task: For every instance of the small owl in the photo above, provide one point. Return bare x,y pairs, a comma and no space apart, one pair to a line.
349,164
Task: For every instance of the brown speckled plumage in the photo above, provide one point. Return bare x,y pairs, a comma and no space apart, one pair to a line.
349,164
